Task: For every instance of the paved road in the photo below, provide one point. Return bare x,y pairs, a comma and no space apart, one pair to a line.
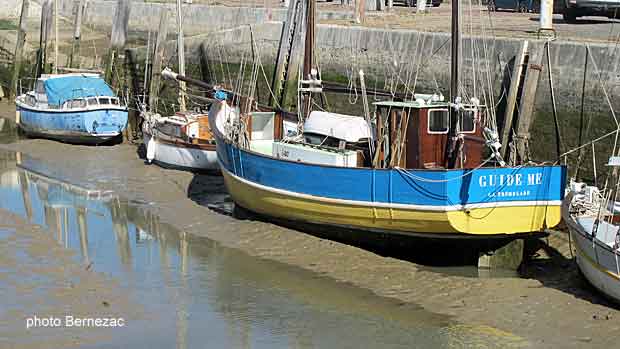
501,23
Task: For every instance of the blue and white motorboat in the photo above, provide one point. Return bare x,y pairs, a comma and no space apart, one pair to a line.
73,108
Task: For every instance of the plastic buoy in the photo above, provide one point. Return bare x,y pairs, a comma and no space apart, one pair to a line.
150,150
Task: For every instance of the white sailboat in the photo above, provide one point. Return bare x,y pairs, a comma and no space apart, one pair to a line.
182,140
593,218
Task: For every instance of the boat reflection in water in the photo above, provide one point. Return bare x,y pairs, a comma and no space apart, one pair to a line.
198,292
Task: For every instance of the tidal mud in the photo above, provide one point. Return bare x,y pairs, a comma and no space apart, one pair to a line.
285,288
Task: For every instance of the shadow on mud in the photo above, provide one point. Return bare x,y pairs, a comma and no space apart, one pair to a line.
210,191
559,272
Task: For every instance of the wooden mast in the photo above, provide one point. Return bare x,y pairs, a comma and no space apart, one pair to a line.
181,54
452,145
309,52
56,42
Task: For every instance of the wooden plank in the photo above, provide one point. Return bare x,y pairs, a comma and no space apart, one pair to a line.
528,97
511,100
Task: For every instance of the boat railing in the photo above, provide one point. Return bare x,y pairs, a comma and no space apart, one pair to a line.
25,85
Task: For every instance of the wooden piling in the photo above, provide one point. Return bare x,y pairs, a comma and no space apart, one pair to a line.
118,37
74,58
526,107
158,57
511,100
360,11
558,137
19,47
284,53
131,72
44,34
205,69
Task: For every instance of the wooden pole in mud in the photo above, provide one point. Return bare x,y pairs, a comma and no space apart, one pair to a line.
19,47
160,46
526,107
131,71
44,34
511,100
360,11
204,64
118,37
284,55
74,59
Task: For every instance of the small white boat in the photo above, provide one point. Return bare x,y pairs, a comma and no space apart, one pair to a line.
593,221
181,141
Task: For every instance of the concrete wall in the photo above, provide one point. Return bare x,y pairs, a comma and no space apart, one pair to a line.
197,18
385,55
13,8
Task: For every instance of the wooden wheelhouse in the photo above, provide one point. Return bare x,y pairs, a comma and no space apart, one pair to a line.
415,135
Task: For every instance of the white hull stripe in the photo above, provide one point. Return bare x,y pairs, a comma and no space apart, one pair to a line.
446,208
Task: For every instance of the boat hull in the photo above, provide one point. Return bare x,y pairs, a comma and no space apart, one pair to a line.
80,127
432,203
183,156
597,262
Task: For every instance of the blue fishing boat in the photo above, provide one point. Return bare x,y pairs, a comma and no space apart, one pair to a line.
311,179
72,108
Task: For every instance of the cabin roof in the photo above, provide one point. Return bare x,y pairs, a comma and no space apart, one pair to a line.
71,86
344,127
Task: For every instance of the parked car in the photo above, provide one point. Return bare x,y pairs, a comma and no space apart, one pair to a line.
414,3
574,9
516,5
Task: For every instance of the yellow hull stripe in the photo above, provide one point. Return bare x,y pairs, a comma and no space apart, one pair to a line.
475,221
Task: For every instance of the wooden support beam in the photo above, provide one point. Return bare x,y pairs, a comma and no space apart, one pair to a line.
528,98
158,57
511,100
19,46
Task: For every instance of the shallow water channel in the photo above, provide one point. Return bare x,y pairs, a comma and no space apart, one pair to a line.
206,295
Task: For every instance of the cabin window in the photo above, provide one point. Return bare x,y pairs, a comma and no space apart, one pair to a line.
114,101
467,121
31,100
77,103
92,101
438,120
104,101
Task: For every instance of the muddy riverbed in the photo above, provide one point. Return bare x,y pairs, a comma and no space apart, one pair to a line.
163,254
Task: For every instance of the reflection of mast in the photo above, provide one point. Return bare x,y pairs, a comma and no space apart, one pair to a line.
66,226
58,223
163,243
23,182
83,230
119,223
